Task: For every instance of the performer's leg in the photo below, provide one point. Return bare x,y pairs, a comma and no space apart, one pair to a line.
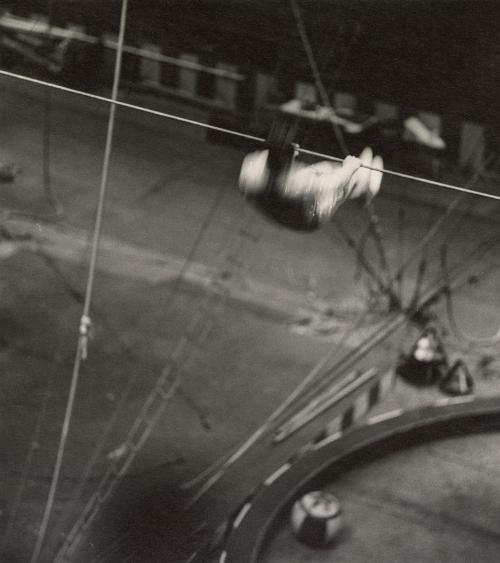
254,173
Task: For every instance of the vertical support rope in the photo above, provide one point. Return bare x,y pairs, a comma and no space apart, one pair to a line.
374,228
85,320
323,94
49,191
106,161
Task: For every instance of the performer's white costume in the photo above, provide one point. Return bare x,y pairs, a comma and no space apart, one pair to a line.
326,184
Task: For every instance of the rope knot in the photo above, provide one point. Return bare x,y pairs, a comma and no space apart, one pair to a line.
85,327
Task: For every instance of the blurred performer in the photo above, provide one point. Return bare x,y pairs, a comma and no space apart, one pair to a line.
306,196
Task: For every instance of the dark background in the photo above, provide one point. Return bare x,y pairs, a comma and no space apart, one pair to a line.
436,55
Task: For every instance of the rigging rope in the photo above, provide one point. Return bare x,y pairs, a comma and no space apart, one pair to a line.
194,335
130,357
373,228
48,188
47,126
81,351
212,474
323,94
441,221
216,470
238,133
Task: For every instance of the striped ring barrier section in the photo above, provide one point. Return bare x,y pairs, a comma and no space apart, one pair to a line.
381,434
363,400
351,401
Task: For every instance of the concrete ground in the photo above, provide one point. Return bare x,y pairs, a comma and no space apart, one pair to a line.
275,301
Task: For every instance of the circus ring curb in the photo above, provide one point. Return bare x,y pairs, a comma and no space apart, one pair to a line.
380,435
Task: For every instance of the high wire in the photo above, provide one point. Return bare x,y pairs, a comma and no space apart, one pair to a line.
81,351
128,105
409,176
247,136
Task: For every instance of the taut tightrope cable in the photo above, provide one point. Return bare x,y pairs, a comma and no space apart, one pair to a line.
127,105
236,133
408,176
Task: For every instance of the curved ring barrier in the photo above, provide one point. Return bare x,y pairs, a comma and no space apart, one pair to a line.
380,435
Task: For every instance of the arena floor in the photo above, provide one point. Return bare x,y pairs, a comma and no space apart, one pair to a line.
433,502
292,298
